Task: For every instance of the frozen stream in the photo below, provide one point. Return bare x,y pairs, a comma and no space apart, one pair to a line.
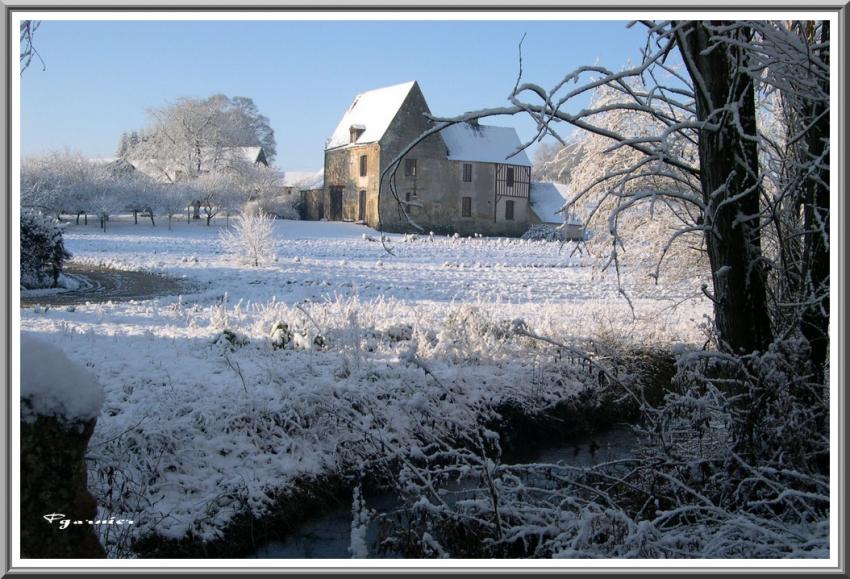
329,536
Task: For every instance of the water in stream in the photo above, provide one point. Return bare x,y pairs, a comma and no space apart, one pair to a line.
329,536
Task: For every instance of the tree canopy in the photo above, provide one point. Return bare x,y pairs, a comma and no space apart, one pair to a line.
192,135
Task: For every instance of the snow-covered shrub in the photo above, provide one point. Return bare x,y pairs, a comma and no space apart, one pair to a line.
281,207
283,210
280,336
250,238
228,339
544,232
43,251
398,332
283,336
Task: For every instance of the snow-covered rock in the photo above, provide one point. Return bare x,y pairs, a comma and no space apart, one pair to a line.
53,385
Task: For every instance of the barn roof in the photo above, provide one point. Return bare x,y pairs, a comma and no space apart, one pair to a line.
547,199
371,112
484,144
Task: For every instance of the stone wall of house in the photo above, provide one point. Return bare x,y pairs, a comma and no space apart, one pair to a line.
438,184
342,169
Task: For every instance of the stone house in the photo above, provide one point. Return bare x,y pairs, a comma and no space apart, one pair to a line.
459,180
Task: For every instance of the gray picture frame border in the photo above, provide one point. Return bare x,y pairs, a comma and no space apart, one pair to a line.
840,313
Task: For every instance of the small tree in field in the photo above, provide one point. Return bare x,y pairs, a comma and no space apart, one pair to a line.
251,238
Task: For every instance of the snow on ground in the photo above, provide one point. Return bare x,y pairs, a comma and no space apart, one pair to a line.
197,427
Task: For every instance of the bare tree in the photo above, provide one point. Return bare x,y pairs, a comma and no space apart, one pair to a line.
28,50
193,136
172,199
709,109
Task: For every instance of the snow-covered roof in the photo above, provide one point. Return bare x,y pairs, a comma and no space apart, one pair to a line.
370,112
547,198
251,154
304,179
483,143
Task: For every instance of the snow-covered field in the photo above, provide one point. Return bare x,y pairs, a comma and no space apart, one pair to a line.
196,429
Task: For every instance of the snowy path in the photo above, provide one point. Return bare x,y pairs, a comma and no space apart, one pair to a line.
101,284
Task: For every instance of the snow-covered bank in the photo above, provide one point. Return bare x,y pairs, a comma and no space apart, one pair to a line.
65,283
196,430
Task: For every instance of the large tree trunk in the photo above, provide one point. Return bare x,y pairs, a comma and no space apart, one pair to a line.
729,178
815,320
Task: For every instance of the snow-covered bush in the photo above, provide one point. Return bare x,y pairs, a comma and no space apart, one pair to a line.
542,231
280,336
43,251
250,238
230,340
280,206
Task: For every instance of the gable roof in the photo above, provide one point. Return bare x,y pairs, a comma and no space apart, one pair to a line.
251,154
546,199
372,112
483,144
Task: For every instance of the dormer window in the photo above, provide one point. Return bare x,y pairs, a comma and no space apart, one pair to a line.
356,131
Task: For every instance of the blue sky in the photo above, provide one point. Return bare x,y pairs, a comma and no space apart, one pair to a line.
102,75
